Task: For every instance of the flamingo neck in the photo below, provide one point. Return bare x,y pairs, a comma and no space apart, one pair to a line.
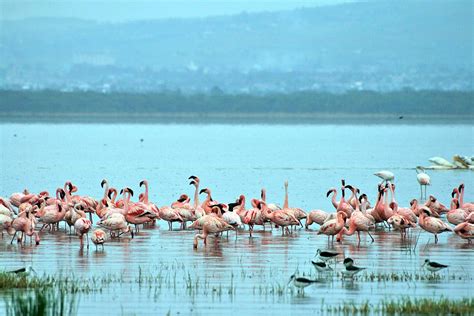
106,190
285,203
196,196
146,193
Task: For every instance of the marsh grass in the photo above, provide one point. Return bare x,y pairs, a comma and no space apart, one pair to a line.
408,306
39,302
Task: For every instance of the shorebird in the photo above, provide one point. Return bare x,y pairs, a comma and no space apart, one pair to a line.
433,266
24,271
351,269
423,179
300,282
385,175
326,255
321,266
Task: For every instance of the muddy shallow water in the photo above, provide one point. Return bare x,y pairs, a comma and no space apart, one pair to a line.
240,274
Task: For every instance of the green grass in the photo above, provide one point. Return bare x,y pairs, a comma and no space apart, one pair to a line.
41,302
408,306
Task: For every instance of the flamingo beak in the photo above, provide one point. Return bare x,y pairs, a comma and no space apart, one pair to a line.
142,183
192,177
329,192
102,183
192,182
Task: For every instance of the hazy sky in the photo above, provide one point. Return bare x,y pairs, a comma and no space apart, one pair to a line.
123,10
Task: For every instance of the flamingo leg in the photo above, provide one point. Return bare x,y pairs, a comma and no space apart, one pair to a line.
11,242
371,236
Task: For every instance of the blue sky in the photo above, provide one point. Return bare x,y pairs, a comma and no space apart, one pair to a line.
125,10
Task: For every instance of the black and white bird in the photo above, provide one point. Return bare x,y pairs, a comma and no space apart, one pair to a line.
24,271
321,266
300,282
326,255
351,269
433,266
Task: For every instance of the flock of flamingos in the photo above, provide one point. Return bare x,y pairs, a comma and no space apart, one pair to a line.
37,213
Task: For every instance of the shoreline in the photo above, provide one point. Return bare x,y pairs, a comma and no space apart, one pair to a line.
232,117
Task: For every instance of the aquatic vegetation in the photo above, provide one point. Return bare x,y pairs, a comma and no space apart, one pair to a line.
41,302
407,305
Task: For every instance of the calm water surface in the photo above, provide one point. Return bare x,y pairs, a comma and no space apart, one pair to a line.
234,160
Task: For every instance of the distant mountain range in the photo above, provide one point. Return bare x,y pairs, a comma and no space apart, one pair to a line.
373,45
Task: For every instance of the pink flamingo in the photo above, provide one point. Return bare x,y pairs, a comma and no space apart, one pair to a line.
298,213
208,202
469,207
407,213
435,206
282,218
343,206
19,198
25,224
333,226
136,213
6,207
431,224
115,222
378,211
319,217
52,215
82,227
90,203
456,215
335,203
358,221
151,206
210,224
198,210
465,230
98,238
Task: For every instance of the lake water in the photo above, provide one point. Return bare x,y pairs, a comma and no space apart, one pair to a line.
233,160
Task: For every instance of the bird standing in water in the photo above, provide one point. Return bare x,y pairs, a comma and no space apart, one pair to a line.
433,266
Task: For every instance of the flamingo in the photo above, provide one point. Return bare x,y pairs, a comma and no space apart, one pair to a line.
52,215
198,210
335,203
423,180
466,206
136,213
298,213
283,218
151,206
6,206
115,222
25,224
343,205
5,222
73,214
82,227
431,224
210,224
98,238
456,215
378,211
90,203
358,221
253,216
435,206
319,217
270,206
18,198
465,230
333,226
407,213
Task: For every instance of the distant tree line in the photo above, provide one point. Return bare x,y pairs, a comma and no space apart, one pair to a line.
351,102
